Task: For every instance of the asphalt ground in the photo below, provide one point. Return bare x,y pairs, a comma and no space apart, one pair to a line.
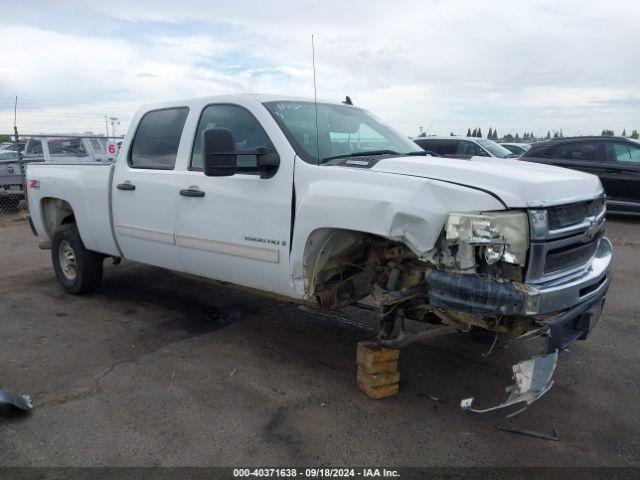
158,369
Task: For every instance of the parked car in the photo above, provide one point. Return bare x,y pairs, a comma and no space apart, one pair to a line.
463,147
207,187
65,148
10,180
615,160
517,148
10,147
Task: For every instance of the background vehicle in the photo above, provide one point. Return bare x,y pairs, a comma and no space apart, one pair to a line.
11,182
207,187
463,146
6,147
615,160
517,148
66,148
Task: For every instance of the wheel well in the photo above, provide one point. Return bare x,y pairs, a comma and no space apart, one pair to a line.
336,259
56,212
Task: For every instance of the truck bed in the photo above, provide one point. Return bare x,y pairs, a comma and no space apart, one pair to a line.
86,187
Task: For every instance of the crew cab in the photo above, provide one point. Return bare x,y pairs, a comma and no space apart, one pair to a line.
325,205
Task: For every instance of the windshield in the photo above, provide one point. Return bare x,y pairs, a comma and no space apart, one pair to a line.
494,149
342,131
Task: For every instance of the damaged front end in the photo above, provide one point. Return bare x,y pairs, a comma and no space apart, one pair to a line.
477,276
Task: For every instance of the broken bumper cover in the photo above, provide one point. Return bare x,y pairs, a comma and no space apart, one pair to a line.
533,378
569,308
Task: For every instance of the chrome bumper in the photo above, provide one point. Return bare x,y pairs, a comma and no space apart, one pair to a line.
561,294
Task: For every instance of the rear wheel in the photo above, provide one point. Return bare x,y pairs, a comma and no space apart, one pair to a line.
78,270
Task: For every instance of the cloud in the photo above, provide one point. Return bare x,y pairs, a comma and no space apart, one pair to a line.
451,64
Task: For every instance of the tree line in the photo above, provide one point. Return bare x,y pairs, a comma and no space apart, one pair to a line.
530,136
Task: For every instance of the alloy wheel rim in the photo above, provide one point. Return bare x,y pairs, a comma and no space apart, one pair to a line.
67,258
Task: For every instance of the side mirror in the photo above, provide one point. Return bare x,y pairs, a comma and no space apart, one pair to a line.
219,152
221,156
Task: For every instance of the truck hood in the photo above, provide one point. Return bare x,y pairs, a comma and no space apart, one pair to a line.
517,183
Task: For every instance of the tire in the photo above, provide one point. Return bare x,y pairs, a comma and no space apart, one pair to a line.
78,270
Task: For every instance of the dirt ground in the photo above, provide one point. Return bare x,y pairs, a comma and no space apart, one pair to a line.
158,369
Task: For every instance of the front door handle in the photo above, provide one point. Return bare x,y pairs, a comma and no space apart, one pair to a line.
192,192
126,186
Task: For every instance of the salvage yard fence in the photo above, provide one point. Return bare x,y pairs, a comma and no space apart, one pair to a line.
23,150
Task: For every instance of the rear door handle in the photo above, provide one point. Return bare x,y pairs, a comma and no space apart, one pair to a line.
191,192
126,186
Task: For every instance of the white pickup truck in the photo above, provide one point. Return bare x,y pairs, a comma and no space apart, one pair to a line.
325,204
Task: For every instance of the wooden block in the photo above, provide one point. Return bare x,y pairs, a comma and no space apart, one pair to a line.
378,392
370,354
378,379
386,367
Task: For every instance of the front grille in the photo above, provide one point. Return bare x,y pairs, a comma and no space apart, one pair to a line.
571,256
572,236
564,216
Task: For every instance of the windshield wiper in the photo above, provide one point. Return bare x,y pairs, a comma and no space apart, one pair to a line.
361,154
418,153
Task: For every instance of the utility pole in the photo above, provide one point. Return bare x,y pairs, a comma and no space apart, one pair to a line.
114,121
106,125
16,139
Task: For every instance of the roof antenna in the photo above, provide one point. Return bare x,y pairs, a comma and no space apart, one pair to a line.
347,100
315,96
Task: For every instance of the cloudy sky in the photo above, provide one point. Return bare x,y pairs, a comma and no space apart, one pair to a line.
444,65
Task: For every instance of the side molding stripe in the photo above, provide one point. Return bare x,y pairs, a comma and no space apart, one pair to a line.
255,253
146,234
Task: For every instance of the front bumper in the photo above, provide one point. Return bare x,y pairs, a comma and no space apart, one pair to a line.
562,294
567,308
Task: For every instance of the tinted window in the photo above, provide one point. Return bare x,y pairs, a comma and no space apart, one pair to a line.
247,131
583,151
441,147
66,147
468,148
157,138
538,151
34,147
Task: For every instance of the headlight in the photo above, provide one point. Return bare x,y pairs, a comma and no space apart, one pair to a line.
500,236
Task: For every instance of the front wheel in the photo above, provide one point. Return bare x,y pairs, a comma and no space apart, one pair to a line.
78,270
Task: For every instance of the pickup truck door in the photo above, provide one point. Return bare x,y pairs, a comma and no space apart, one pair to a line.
237,228
144,191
